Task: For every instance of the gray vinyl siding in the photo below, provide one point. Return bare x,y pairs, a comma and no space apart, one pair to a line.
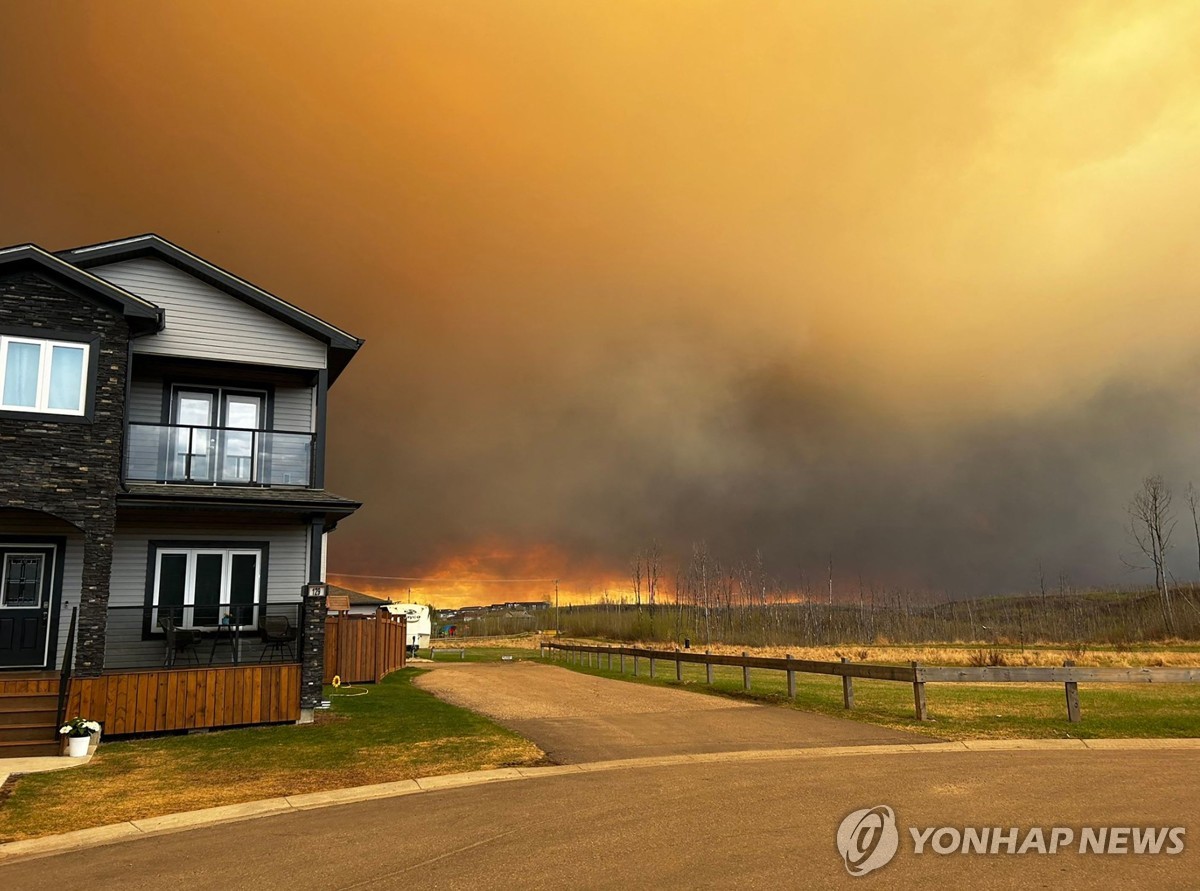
40,524
205,323
145,400
294,409
287,571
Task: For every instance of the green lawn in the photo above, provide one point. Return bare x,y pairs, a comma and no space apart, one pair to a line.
956,711
393,731
482,654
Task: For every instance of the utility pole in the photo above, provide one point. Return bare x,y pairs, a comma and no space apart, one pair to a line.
556,631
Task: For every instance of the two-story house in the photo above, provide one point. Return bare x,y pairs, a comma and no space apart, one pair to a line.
163,508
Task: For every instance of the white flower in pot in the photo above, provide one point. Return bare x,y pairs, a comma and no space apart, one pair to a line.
79,735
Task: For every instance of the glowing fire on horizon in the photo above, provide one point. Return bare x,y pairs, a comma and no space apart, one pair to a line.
493,574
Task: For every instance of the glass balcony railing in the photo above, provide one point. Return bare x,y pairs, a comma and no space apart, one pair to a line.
178,453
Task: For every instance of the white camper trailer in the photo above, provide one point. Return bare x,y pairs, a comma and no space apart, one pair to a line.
419,622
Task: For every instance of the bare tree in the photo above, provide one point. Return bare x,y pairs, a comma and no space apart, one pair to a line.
1151,524
701,571
1193,503
653,558
635,575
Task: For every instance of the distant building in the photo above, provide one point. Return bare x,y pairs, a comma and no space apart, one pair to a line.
360,604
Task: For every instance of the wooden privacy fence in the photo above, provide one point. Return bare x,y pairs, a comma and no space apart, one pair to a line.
1069,675
364,649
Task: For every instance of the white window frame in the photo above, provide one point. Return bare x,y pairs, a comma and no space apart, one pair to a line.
189,583
42,400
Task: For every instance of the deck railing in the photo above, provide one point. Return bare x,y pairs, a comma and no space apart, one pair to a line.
181,453
198,636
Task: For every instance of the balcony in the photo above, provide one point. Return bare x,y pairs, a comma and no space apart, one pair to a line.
218,456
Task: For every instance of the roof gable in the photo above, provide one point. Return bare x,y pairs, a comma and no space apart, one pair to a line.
204,322
144,316
342,345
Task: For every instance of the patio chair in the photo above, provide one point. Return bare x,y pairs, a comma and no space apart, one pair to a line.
179,640
278,635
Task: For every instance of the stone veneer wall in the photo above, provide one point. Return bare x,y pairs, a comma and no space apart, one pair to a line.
71,468
312,647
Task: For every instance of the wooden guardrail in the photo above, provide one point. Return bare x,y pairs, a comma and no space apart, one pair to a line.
1069,675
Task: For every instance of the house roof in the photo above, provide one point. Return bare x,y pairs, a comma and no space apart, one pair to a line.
303,501
342,345
143,316
358,598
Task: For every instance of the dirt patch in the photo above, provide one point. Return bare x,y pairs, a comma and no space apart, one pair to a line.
521,691
575,717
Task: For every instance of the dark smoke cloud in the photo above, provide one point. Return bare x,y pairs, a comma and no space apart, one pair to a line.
917,289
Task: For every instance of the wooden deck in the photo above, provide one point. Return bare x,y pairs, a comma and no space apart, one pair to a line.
29,683
158,700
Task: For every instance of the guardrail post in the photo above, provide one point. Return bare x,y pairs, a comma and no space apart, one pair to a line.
431,654
745,672
462,654
622,663
635,665
651,666
791,678
1072,688
847,688
919,694
678,670
610,657
708,668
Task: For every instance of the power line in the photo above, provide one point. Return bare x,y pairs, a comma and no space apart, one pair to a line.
404,578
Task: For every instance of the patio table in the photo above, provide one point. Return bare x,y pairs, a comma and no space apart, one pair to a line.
229,633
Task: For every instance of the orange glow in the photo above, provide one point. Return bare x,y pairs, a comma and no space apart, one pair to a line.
494,573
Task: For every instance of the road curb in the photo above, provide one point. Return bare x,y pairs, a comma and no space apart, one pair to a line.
252,810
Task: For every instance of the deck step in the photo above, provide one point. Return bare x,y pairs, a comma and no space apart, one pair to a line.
28,733
29,749
44,716
16,702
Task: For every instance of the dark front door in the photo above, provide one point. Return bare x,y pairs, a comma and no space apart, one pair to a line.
25,600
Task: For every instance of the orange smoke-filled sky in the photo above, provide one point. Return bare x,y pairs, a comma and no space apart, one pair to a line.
914,284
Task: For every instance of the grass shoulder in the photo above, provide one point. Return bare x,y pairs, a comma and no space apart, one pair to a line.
956,711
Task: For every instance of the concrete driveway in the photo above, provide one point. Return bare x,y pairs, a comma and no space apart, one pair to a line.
576,718
743,824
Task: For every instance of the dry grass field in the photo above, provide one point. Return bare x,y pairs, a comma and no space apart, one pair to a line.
1173,654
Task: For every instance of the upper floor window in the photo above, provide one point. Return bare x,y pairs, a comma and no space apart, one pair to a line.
46,376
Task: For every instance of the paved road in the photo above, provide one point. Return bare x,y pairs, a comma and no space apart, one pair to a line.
576,718
763,824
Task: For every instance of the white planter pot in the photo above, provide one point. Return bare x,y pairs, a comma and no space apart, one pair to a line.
77,746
